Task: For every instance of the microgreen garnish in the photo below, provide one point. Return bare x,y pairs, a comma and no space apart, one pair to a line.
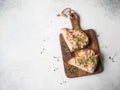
44,40
81,62
73,69
76,39
92,59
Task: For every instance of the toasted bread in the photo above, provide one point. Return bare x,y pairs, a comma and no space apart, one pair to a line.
75,39
86,60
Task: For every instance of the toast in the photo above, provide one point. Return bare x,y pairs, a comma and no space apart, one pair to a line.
86,60
75,39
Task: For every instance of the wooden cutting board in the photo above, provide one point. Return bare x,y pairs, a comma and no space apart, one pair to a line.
66,54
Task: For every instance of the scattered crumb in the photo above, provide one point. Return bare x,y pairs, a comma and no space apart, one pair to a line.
55,69
99,34
44,40
51,21
63,82
60,83
104,46
42,51
112,58
56,57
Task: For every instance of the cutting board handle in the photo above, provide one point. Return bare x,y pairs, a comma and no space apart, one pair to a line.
75,21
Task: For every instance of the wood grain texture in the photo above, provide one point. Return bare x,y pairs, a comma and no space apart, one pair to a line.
67,55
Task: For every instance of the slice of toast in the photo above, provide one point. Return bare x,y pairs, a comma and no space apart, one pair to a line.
86,60
75,39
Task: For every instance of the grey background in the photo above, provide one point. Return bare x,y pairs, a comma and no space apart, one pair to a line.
30,55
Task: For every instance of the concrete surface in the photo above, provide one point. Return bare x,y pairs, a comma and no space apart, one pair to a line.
30,54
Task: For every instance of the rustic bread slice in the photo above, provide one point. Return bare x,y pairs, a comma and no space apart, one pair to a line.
86,60
75,39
